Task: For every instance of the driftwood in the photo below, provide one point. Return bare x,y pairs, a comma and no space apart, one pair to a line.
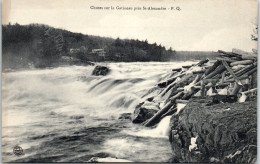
155,118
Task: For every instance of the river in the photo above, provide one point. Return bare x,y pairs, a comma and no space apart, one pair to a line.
64,114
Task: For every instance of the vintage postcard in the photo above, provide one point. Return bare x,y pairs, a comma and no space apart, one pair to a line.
129,81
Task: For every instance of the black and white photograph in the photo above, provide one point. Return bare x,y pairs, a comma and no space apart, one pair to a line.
129,81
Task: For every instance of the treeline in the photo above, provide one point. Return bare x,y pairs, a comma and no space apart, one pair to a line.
40,45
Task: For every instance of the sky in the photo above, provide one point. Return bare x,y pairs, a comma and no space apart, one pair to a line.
199,25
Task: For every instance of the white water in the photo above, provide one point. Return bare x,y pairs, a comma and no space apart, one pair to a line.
66,115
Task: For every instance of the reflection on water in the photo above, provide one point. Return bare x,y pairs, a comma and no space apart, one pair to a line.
66,115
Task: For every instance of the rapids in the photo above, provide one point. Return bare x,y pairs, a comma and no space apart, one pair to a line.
66,115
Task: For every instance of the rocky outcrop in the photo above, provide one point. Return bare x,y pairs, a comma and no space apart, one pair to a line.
219,132
100,70
144,111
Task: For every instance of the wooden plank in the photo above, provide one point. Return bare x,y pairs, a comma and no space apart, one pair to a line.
231,72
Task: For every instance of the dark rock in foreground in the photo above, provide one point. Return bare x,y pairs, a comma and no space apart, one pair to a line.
100,70
144,111
222,132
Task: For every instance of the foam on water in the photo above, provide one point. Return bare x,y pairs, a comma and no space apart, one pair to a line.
161,131
46,109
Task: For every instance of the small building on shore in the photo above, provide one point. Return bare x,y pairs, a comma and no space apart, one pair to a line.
99,52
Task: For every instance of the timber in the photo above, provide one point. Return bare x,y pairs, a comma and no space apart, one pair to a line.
155,118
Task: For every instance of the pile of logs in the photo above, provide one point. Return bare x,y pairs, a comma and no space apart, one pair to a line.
232,74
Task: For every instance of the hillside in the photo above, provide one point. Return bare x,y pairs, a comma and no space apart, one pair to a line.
40,45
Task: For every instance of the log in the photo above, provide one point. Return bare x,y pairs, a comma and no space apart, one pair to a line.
202,89
182,101
233,80
186,66
250,91
213,81
202,62
177,69
155,118
170,112
188,95
231,72
237,68
237,87
230,54
231,57
218,70
244,70
223,77
198,72
183,79
254,51
251,71
169,81
221,85
243,53
180,89
213,67
249,58
226,59
243,62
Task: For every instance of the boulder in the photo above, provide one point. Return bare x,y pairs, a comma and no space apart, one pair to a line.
144,111
100,70
223,132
